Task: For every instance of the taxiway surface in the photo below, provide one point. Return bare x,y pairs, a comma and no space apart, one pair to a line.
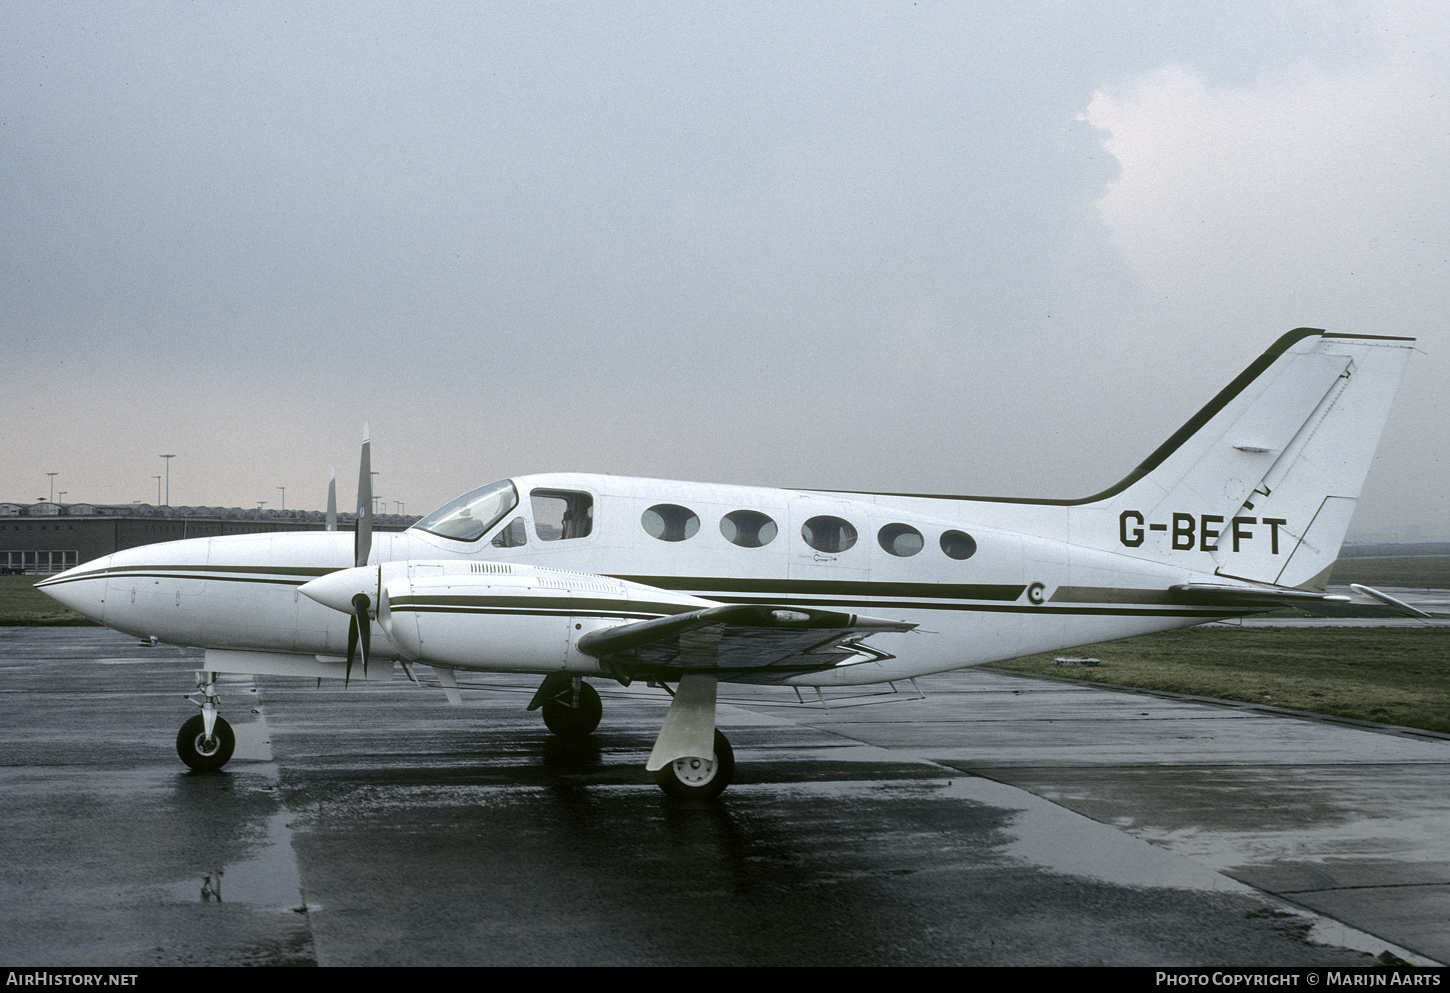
1001,821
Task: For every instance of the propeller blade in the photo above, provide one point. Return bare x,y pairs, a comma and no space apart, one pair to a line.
352,630
360,604
364,541
332,502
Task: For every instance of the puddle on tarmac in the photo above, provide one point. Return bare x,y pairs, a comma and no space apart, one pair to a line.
268,878
1054,838
1058,840
254,742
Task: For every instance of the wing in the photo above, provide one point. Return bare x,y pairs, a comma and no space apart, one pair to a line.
738,642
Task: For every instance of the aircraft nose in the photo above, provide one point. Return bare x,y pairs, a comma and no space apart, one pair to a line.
336,589
82,589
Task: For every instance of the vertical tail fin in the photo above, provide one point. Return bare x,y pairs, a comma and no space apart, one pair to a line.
1261,483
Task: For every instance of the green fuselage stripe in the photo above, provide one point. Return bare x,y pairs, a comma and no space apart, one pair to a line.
839,594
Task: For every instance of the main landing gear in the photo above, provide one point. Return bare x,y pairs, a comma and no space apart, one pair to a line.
572,708
692,759
206,742
694,778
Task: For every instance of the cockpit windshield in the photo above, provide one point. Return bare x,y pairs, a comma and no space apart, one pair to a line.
470,516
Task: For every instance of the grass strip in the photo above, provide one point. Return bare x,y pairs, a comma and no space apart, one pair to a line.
1391,675
21,604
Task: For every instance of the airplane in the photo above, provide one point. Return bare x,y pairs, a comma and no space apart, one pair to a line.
574,577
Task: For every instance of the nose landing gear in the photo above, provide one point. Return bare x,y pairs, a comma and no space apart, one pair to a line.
205,742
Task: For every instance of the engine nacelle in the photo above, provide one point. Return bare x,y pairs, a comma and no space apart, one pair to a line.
494,616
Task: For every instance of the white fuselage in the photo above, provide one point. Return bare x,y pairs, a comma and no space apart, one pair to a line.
977,592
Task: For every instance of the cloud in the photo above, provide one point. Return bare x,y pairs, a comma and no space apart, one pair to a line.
1289,186
1303,198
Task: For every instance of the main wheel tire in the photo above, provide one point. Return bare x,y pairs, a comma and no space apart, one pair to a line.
698,779
201,753
574,722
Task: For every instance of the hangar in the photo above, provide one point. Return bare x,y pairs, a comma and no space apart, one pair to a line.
44,538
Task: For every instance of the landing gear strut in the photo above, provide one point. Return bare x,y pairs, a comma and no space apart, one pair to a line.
692,759
206,742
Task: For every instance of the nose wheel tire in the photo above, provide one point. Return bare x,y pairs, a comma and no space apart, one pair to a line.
574,722
696,778
200,752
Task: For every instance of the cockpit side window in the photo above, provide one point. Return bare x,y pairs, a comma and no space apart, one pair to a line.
515,535
561,514
470,516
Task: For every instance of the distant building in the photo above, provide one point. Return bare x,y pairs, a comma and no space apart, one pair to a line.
43,538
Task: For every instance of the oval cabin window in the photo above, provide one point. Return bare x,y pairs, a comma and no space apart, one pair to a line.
828,534
670,522
958,544
901,540
748,528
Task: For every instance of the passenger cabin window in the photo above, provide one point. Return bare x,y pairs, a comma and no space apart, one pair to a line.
901,540
958,544
747,528
669,522
471,516
560,514
515,535
828,534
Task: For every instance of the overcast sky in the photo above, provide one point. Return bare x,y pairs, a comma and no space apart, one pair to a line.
913,246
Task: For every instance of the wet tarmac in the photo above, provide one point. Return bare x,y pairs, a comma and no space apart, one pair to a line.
1003,820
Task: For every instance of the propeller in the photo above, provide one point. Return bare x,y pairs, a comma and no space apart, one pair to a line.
359,629
363,595
359,634
385,609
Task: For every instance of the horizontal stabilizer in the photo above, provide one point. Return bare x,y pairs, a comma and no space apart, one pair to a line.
1265,598
1254,597
1398,606
773,643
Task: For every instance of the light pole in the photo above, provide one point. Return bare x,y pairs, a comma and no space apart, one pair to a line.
158,491
168,459
284,496
52,476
